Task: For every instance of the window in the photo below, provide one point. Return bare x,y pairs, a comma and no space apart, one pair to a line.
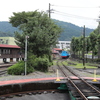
8,51
5,51
68,43
62,43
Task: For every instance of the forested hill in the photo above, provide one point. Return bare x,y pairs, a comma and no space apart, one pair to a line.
69,30
6,29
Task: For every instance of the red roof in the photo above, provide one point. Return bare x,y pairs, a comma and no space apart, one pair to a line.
57,49
54,51
8,46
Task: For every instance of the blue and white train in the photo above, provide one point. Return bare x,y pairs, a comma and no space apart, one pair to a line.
65,54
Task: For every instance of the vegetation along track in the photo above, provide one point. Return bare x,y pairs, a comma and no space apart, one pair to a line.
81,86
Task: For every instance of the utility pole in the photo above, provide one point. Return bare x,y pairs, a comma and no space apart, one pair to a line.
26,37
98,20
84,47
49,10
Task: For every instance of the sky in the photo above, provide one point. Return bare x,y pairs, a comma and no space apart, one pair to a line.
78,12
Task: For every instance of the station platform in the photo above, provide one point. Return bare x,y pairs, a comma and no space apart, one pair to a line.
8,82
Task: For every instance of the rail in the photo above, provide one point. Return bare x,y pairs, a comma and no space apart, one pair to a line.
78,88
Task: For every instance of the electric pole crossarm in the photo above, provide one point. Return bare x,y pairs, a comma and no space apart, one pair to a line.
50,10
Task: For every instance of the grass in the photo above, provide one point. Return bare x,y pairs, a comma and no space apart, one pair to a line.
77,65
80,65
54,62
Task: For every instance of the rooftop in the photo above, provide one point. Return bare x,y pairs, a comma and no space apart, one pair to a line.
8,46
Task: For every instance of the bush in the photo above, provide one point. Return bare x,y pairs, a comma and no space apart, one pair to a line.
42,64
31,60
19,68
33,63
39,63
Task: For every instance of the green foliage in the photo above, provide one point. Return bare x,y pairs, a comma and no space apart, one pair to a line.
69,30
41,64
4,34
38,63
92,43
42,31
33,63
19,68
98,39
31,60
6,29
80,65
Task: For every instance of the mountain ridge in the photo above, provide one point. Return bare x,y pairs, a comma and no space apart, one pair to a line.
69,30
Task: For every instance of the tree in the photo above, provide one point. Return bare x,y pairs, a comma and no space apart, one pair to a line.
42,31
77,45
74,46
93,40
80,46
97,32
98,44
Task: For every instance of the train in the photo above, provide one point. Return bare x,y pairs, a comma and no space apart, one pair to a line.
64,54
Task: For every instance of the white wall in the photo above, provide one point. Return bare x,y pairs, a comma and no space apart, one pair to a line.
63,44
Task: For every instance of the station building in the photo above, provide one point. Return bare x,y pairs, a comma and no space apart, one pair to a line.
63,45
10,53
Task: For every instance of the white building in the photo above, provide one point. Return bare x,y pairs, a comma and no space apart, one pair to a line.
64,45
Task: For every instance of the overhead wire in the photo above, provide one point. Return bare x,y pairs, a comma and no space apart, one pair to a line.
71,15
74,6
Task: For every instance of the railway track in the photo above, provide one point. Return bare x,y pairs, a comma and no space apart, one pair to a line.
3,68
20,94
80,88
3,72
6,65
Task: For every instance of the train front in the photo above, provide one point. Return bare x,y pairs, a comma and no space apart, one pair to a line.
65,54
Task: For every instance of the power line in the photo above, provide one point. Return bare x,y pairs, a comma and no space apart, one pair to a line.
71,15
74,6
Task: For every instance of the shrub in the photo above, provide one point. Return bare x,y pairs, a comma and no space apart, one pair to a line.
42,64
31,60
39,63
19,68
33,63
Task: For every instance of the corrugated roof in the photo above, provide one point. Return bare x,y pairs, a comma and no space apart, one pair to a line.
54,51
8,46
7,40
57,49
